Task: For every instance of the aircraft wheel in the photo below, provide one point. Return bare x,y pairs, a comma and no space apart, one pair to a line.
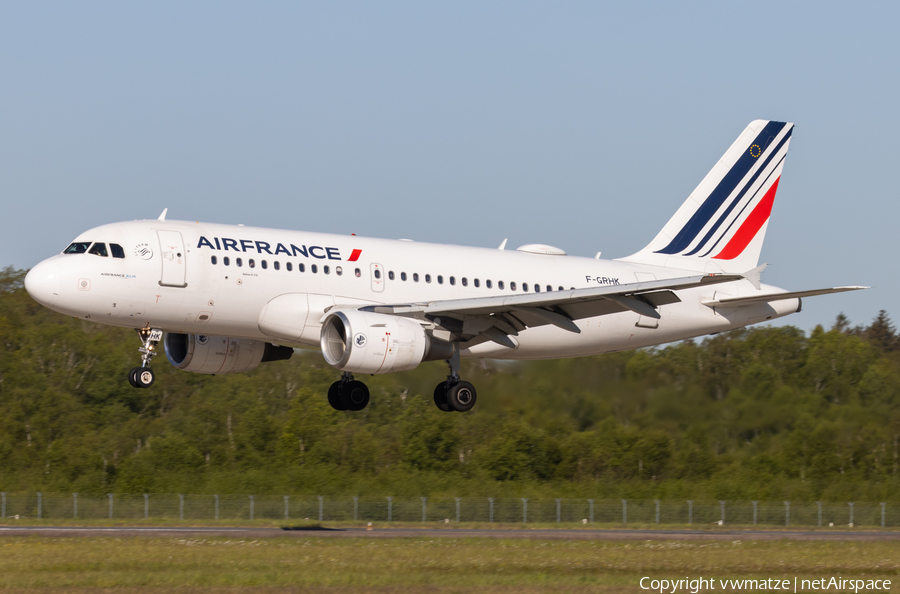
354,395
440,397
461,396
144,377
334,396
132,377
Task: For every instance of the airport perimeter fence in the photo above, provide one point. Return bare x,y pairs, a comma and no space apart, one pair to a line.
125,506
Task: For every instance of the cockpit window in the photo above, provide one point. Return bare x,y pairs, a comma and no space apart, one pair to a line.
79,247
117,251
98,249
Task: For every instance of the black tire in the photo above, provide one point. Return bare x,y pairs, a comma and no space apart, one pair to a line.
440,397
132,377
354,395
461,396
334,396
144,377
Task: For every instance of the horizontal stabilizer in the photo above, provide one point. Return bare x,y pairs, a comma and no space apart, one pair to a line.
738,301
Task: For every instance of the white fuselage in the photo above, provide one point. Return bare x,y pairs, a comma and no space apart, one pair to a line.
198,296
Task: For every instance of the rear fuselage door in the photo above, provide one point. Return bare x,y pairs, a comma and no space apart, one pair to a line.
377,271
171,247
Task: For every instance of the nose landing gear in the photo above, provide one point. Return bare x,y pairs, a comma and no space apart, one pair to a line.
143,376
348,394
454,394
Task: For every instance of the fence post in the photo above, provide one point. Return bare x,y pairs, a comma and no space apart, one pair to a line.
110,495
251,507
217,506
558,505
3,505
787,513
74,505
851,512
690,511
722,517
882,514
147,506
180,506
40,511
657,511
286,514
424,502
321,507
490,500
355,508
390,508
755,503
624,511
591,511
525,510
819,514
457,509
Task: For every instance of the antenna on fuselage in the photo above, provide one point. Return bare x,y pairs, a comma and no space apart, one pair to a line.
502,245
162,217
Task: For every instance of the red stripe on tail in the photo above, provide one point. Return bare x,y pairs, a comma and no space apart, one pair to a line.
751,226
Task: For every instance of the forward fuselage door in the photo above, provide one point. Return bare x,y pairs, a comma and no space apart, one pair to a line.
377,272
174,260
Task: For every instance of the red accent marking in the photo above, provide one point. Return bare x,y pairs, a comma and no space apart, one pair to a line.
750,227
386,347
354,256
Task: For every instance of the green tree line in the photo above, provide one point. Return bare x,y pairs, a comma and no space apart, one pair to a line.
760,413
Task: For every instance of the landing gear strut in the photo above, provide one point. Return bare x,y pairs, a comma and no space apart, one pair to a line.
454,394
348,393
143,376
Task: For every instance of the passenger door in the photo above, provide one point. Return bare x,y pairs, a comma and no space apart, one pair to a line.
174,260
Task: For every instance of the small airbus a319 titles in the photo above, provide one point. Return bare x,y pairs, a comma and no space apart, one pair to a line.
225,298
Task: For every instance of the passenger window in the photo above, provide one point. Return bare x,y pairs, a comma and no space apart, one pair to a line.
465,282
452,280
377,273
549,288
357,272
263,264
226,261
288,266
326,269
512,286
487,283
415,277
403,276
117,251
427,278
276,265
500,285
391,275
79,247
561,289
238,262
301,267
537,288
476,283
440,280
214,260
313,268
99,249
525,287
251,263
338,270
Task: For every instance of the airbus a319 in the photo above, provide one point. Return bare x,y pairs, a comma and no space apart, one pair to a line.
225,298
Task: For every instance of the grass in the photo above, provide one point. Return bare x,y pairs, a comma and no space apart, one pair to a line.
440,565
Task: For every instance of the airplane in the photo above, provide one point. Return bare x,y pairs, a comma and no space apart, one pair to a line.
226,298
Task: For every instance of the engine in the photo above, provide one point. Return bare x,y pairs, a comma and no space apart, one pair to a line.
219,354
367,342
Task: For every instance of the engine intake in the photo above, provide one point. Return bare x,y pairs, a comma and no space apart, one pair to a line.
367,342
199,353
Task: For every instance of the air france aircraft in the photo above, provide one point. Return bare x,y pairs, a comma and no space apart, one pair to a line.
225,298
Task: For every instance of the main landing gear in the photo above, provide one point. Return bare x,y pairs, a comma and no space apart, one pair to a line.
348,393
143,376
454,394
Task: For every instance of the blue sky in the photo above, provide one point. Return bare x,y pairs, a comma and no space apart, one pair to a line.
582,125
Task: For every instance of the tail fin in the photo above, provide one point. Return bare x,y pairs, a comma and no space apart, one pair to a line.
722,224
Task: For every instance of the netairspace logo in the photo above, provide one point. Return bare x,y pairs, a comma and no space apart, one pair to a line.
695,585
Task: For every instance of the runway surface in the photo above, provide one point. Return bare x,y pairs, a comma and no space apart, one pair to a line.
522,533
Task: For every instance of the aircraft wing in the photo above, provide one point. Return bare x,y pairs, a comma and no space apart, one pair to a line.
738,301
498,317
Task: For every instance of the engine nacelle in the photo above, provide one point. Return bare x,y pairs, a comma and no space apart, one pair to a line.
219,354
367,342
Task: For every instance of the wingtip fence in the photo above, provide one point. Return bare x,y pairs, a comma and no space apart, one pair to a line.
124,506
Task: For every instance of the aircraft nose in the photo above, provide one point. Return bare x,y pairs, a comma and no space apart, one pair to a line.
43,282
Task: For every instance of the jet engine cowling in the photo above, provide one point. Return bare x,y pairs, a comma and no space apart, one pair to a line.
199,353
368,342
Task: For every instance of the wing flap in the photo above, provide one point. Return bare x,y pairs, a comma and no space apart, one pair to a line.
750,299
